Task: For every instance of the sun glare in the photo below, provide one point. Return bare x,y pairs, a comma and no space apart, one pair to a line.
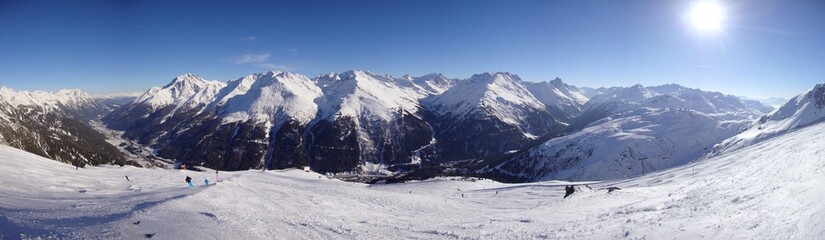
707,16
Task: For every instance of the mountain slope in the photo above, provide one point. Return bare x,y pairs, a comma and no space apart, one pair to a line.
255,122
623,145
367,122
630,131
803,110
675,96
769,189
55,125
562,100
487,115
352,121
434,83
151,115
670,96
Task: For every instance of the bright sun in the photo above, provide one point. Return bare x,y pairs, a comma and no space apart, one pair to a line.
707,16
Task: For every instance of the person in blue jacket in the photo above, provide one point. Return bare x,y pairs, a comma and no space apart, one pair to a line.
206,181
189,181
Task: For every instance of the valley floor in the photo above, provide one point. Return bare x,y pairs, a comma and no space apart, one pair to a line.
771,190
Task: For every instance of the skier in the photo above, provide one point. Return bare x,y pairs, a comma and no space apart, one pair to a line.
206,181
189,181
568,190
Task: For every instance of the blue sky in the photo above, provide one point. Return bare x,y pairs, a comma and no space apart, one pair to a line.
765,48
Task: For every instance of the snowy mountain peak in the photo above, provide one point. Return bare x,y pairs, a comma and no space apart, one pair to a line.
185,90
46,100
636,93
353,74
434,83
671,88
560,87
273,97
186,79
670,96
563,100
361,93
496,76
500,94
434,75
350,75
560,84
188,76
74,93
117,95
237,87
329,77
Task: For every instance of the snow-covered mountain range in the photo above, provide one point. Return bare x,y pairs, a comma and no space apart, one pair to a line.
492,124
623,145
670,161
490,114
769,190
564,101
629,131
55,125
803,110
354,121
718,105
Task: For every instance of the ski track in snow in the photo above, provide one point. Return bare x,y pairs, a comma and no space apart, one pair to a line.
768,190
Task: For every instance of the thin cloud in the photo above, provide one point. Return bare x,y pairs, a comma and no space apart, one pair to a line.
259,61
773,31
294,51
248,38
272,66
250,58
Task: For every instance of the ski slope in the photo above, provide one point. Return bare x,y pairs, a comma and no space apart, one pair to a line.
770,190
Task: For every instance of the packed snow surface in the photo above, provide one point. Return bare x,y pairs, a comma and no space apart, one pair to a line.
771,189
